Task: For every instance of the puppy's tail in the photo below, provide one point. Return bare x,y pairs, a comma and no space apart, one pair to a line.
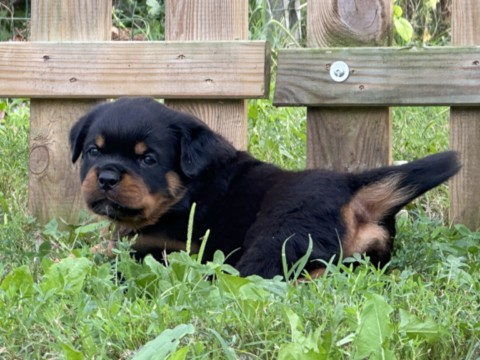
377,195
383,192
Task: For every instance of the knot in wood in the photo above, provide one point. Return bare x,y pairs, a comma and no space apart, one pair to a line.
39,159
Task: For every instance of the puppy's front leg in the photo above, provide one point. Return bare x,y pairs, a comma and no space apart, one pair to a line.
111,236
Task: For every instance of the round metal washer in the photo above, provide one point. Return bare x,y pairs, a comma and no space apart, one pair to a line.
339,71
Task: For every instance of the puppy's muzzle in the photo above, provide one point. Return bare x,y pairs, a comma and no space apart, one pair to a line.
108,179
109,176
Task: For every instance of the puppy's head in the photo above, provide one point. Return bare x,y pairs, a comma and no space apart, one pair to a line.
139,157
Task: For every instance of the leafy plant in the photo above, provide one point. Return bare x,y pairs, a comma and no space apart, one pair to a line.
401,25
421,21
140,20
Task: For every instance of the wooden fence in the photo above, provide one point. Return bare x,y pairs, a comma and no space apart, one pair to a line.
71,64
208,67
348,122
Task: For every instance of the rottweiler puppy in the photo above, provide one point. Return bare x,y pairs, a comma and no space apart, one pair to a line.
144,165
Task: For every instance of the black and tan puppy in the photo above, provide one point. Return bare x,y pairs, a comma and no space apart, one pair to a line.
144,165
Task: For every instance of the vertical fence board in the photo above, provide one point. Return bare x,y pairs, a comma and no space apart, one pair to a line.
339,138
211,20
465,126
53,181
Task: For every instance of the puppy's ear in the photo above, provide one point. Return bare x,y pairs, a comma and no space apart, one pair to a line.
200,147
78,133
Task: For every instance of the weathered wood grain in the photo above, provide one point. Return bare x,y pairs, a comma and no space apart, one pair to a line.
207,20
465,123
380,76
335,134
227,117
54,184
339,138
349,23
216,69
54,189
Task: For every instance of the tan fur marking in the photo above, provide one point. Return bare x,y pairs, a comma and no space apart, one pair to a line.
105,247
133,193
89,186
380,197
140,148
174,184
156,205
362,214
100,141
312,275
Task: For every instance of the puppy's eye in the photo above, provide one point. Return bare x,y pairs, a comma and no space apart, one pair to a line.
93,151
148,160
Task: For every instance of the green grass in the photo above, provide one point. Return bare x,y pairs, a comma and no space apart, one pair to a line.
59,301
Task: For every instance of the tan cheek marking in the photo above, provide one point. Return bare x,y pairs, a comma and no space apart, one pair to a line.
132,192
140,148
156,205
89,187
100,141
174,184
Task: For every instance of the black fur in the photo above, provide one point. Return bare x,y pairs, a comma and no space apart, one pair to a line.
250,207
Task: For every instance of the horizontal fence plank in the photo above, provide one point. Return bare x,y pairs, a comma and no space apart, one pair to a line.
379,77
194,70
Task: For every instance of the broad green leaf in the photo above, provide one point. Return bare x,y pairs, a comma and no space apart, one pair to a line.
51,229
295,351
296,327
91,228
71,354
19,282
397,11
313,345
218,257
153,7
67,276
253,291
155,267
415,328
231,284
180,354
164,344
403,28
375,330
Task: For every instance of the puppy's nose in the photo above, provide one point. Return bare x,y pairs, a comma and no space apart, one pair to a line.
108,179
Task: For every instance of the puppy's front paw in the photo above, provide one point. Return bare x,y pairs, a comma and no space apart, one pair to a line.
104,248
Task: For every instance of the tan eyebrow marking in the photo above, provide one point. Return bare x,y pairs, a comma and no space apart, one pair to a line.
140,148
100,141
